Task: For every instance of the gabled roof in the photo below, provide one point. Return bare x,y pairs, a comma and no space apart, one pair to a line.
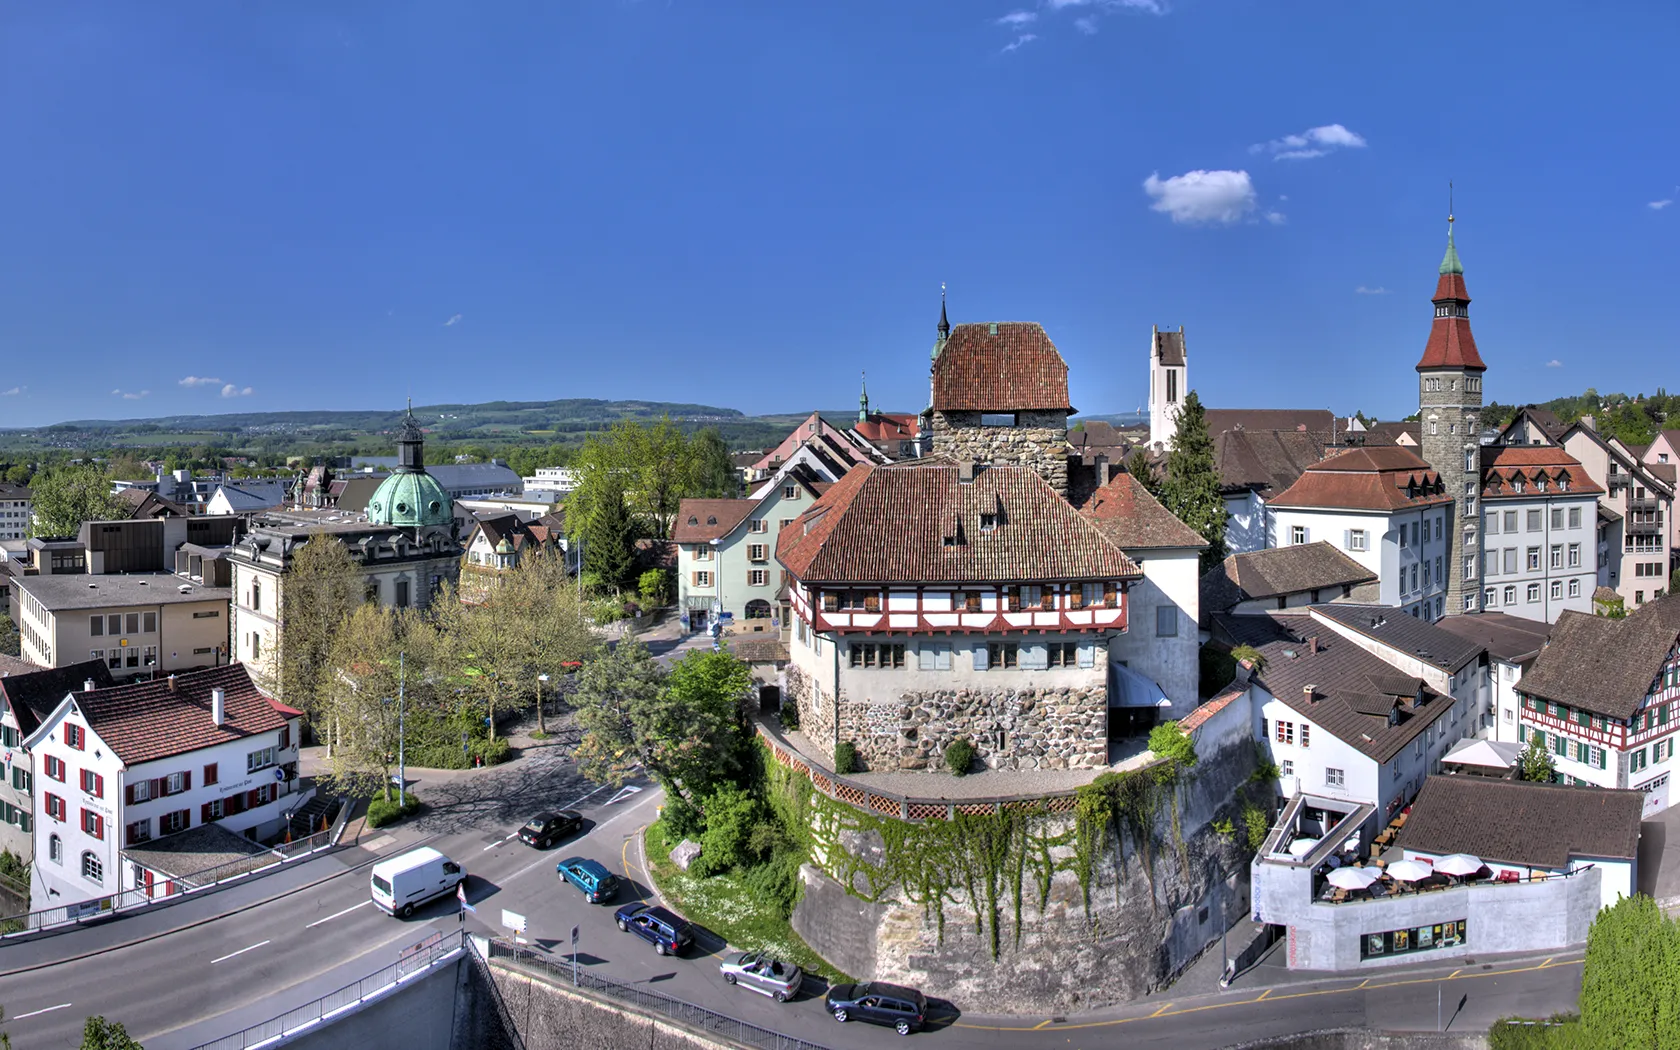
1009,366
917,522
704,520
32,695
238,499
1126,513
1169,347
145,721
1512,639
1389,433
1542,419
1349,684
143,503
1411,636
1503,466
1619,453
1383,478
1266,461
1602,665
1279,571
1522,821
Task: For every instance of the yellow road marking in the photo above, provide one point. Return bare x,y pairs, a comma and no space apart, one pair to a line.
1455,973
1279,998
1164,1008
1039,1025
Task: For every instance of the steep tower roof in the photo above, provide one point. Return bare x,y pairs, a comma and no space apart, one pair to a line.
1450,343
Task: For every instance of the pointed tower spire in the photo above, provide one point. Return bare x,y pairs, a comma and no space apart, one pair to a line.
1450,264
863,398
944,324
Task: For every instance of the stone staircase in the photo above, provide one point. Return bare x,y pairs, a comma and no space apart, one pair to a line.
315,815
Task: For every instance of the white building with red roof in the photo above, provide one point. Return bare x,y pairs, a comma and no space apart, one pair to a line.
114,768
933,601
1539,532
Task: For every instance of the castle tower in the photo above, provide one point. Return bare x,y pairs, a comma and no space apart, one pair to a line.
1167,373
1450,409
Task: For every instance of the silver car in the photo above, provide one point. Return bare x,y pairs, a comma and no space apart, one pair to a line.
763,974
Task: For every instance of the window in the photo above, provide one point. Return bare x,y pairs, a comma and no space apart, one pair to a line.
259,759
1510,595
138,832
757,551
874,654
75,736
1492,560
55,768
1414,533
790,491
170,823
1533,524
1287,767
1003,654
1557,589
702,554
1533,560
210,811
1557,555
1469,566
1003,419
133,623
1166,621
1574,517
933,656
256,594
1297,534
757,577
1574,588
55,849
1063,654
967,601
96,625
1334,778
92,869
1534,592
1414,576
1510,561
702,578
1493,523
1306,735
758,525
1574,555
785,522
93,824
1490,596
256,646
988,522
1426,576
401,601
148,623
140,791
55,807
1358,540
1284,732
1403,543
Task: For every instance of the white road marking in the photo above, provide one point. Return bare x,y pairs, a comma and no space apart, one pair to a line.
624,793
573,804
241,951
498,842
37,1013
336,914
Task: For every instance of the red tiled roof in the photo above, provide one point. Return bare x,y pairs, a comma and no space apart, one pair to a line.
1195,719
1381,477
917,522
1502,465
1127,514
888,426
145,721
1450,343
1017,369
704,520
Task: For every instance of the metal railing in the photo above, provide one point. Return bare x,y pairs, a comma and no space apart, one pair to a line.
103,907
650,1002
414,960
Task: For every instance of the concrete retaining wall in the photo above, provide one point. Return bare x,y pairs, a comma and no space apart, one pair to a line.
1361,1039
555,1017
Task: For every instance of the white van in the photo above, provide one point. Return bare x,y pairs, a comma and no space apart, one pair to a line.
403,883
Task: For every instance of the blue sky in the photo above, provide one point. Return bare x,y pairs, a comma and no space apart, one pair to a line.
219,207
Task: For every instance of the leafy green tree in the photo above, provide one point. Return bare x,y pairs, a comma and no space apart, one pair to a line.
687,729
100,1034
65,497
1191,486
1169,741
1536,762
714,475
654,586
321,589
356,700
1630,983
18,474
1139,467
609,540
10,641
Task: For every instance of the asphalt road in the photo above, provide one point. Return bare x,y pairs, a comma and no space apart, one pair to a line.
234,959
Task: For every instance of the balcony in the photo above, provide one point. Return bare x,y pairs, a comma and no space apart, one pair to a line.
1644,528
1647,503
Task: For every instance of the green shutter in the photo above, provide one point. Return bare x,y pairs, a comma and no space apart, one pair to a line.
1522,732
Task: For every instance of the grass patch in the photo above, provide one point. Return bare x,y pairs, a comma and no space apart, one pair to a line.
1560,1032
382,811
727,907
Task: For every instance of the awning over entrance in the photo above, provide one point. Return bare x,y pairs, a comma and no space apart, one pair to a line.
1128,688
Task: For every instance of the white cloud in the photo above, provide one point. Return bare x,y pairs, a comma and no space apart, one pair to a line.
1017,19
1313,142
1024,38
452,321
1378,290
200,381
13,392
1202,196
1276,218
1086,24
130,395
1659,205
1153,7
235,391
1554,363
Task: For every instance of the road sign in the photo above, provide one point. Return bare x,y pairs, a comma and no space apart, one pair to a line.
461,895
726,617
515,922
574,936
717,607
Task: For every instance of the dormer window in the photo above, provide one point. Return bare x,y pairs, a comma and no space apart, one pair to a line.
711,519
1516,485
1540,484
988,522
692,520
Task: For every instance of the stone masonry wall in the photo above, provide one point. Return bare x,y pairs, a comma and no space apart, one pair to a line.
1011,729
1038,441
816,708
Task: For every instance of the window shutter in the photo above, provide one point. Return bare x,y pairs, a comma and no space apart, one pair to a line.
98,786
210,774
204,813
186,781
872,603
1035,657
942,657
128,795
924,656
980,656
98,826
1087,655
830,602
1076,596
1111,597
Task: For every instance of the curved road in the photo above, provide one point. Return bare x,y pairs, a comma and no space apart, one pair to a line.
184,974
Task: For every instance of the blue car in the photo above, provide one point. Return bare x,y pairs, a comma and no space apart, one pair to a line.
668,932
597,883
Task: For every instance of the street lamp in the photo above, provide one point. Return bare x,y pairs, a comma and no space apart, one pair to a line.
542,680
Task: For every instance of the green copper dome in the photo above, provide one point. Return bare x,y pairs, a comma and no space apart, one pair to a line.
1450,263
410,497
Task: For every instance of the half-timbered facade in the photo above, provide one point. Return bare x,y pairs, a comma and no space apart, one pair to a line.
934,601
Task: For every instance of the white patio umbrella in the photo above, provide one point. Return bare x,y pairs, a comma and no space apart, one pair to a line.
1302,847
1408,870
1352,878
1458,864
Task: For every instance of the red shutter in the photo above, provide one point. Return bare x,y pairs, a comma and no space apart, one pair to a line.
98,826
204,813
210,774
253,798
186,781
98,786
128,794
158,787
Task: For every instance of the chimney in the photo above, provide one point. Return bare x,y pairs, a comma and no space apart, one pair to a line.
218,704
171,683
1102,469
1589,422
87,685
1307,692
1312,644
965,471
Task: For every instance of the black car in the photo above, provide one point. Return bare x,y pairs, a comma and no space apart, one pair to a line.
668,932
890,1004
545,829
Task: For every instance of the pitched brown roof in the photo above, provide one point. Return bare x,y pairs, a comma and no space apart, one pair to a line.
1314,420
1266,461
1504,465
1279,571
1602,665
916,521
1389,433
1381,478
1430,643
1522,821
143,503
1127,514
1505,637
704,520
32,692
1015,368
1170,347
1450,343
1096,435
149,720
1349,696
